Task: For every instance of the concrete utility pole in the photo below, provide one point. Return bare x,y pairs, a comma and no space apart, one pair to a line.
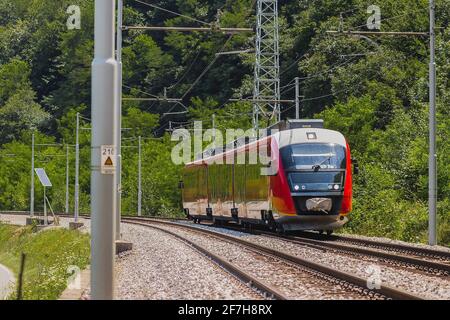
432,197
104,132
297,98
67,179
140,178
32,178
119,116
77,170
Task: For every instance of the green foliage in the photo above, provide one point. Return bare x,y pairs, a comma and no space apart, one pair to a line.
20,113
13,76
48,256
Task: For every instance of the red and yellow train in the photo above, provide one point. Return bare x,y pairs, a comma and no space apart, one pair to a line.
308,185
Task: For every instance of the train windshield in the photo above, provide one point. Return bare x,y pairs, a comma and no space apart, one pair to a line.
314,156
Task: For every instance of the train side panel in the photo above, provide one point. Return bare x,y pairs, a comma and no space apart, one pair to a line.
195,191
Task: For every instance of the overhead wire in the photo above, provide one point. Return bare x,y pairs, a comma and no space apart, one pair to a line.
172,12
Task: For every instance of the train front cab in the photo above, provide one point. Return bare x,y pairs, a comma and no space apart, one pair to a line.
313,187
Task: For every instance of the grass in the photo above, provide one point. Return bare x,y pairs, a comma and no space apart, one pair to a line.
48,256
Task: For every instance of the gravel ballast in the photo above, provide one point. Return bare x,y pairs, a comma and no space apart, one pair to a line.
292,281
161,267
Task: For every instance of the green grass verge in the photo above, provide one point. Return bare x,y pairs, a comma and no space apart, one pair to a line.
48,255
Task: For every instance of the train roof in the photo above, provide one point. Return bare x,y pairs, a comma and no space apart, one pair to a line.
286,133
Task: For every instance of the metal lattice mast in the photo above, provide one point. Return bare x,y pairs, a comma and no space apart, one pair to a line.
267,66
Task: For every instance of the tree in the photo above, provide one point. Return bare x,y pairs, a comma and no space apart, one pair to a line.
20,113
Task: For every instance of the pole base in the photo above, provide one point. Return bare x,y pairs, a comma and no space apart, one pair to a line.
122,246
75,225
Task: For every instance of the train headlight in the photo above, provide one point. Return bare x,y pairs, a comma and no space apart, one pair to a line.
296,187
330,187
336,187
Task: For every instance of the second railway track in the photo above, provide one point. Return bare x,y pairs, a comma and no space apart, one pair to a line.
435,262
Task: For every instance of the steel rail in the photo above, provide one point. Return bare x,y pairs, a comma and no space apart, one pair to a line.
394,247
319,240
430,265
385,290
426,265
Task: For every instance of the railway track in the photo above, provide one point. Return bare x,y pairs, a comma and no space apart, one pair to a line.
404,255
428,260
344,279
393,247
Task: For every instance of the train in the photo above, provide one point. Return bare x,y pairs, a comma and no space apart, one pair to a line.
305,182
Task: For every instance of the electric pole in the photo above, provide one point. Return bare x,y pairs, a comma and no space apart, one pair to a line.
267,65
297,98
214,129
67,179
77,169
32,178
432,197
119,116
140,178
104,133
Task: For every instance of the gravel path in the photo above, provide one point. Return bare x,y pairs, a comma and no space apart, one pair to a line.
161,267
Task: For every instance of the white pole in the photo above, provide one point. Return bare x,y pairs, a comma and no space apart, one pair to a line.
67,179
32,178
119,117
77,169
214,129
140,178
297,98
104,132
45,209
432,198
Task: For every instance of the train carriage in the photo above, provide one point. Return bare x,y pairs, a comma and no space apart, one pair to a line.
301,181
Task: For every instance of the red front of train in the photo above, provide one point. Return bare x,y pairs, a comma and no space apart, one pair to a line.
306,185
312,189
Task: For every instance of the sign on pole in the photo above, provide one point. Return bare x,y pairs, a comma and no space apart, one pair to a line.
43,178
108,159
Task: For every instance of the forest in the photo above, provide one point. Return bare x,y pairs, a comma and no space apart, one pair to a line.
374,90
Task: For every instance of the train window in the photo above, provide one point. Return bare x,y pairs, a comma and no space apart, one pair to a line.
314,156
